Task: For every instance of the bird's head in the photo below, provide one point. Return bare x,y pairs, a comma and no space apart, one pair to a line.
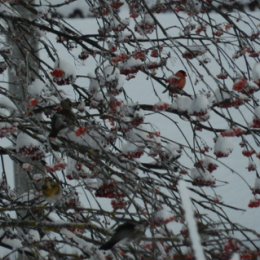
66,104
182,72
51,188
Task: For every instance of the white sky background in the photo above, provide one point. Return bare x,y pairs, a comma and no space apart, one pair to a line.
235,192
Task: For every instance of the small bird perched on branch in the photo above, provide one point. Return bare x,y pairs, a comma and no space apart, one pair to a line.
128,231
51,189
177,82
63,118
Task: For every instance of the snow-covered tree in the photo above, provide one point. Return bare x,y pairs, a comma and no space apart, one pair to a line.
141,122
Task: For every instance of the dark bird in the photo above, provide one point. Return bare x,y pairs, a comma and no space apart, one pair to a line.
127,231
63,118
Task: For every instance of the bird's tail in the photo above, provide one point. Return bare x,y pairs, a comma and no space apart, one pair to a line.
108,245
53,134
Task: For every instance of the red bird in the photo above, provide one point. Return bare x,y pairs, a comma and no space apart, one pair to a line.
177,82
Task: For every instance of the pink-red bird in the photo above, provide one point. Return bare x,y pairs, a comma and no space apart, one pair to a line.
177,82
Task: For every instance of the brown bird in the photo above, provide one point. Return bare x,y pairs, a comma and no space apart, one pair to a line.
62,119
51,189
177,82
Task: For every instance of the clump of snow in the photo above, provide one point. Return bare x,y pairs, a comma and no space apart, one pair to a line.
64,72
195,173
251,86
170,152
223,146
25,140
201,177
138,113
32,236
198,49
130,63
138,135
146,25
94,85
161,106
256,72
124,36
132,108
96,99
66,66
207,163
231,97
117,24
52,100
199,106
131,150
5,102
183,103
163,216
109,79
195,5
112,79
93,139
148,19
93,183
29,147
36,88
221,95
129,147
111,73
235,256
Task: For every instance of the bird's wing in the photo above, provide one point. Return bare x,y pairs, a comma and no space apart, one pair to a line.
121,232
58,123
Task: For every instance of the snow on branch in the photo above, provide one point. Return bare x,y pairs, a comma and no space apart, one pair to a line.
189,216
